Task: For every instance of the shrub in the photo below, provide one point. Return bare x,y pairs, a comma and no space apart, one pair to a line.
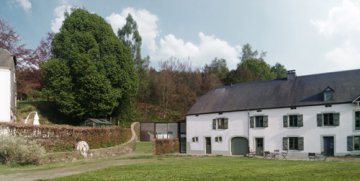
19,150
163,146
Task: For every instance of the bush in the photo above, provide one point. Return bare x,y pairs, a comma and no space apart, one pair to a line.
19,150
164,146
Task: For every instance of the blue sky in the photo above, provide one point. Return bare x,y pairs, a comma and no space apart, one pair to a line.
308,36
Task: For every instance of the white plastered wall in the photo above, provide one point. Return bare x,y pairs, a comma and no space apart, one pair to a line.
201,126
5,95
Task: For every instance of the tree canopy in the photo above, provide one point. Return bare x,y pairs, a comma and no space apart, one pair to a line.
253,67
90,73
218,67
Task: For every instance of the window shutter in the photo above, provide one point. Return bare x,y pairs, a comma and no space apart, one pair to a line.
251,121
285,121
300,120
336,119
265,119
226,123
301,143
350,143
214,124
319,120
285,143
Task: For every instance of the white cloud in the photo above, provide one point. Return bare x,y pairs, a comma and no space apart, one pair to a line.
341,20
59,14
208,48
146,21
25,4
169,45
346,56
342,23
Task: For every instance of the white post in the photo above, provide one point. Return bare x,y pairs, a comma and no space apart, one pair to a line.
36,119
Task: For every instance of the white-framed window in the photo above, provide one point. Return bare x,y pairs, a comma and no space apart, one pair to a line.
195,139
218,139
294,120
260,121
357,120
328,119
353,143
293,143
220,123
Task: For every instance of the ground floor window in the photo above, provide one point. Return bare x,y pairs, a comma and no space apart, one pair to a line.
293,143
353,143
356,142
218,139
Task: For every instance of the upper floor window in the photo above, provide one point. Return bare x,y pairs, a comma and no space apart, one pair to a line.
220,123
328,94
195,139
328,119
293,120
357,120
258,121
293,143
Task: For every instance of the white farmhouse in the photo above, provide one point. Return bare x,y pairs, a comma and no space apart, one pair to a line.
299,115
8,86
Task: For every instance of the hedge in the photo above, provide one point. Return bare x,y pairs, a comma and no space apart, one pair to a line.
64,138
164,146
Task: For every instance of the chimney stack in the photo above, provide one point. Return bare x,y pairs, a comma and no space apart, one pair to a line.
291,75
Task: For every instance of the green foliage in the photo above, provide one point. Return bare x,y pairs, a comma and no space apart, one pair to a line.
91,73
248,53
165,146
19,150
130,36
253,67
217,67
279,70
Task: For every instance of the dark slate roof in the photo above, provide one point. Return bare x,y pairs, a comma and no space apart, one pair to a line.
6,59
90,121
303,91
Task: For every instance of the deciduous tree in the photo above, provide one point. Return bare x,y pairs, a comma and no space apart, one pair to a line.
93,67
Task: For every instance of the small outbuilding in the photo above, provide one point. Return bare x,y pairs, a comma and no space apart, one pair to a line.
96,122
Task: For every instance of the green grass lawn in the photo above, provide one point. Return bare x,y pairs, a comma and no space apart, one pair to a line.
226,168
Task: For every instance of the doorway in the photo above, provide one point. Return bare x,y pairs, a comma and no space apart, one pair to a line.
208,145
328,145
259,146
239,146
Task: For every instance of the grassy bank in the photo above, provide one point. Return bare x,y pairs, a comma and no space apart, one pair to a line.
226,168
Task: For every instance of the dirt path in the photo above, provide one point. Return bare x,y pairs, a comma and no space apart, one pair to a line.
69,170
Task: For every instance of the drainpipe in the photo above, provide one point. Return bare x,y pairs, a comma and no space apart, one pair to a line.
248,113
